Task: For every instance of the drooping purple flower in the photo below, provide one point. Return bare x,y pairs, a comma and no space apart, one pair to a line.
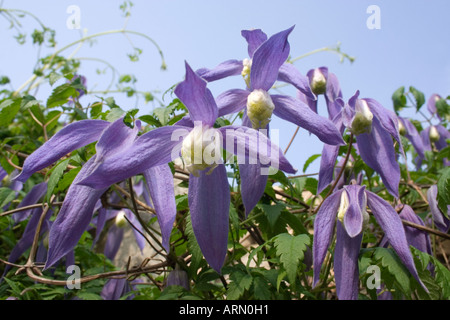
178,277
200,147
112,138
255,39
374,127
32,197
323,82
434,135
431,104
349,205
410,132
268,64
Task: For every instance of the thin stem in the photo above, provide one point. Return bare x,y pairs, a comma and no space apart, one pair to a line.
292,140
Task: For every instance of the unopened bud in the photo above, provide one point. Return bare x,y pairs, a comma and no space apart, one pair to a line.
343,206
362,122
318,82
401,128
259,108
120,221
434,134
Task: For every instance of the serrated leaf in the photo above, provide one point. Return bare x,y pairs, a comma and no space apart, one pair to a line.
261,289
272,212
418,96
399,99
55,176
291,250
391,263
193,247
443,108
240,282
310,160
53,77
61,95
8,110
6,196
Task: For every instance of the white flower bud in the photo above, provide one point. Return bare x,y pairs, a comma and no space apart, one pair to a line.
120,220
401,128
201,149
362,122
318,82
434,134
259,108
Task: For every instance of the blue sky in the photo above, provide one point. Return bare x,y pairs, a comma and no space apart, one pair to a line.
409,49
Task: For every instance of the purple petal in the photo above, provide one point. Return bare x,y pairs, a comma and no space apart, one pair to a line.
71,137
388,119
268,59
323,230
255,38
223,70
74,216
295,111
37,192
416,238
232,101
100,223
353,218
332,94
392,226
442,222
253,184
346,271
378,152
117,137
327,163
114,289
113,241
185,122
288,73
209,203
156,147
444,135
159,180
431,104
140,240
252,147
414,137
197,98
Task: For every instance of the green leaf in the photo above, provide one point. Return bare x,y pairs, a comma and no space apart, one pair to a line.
61,95
8,110
291,250
390,262
193,247
418,96
310,160
6,196
150,120
399,99
55,176
443,108
67,180
261,289
272,212
240,282
53,77
443,186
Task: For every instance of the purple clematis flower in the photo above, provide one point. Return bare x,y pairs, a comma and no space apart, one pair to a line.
349,205
410,132
436,135
267,64
323,82
255,39
373,126
80,202
431,104
200,147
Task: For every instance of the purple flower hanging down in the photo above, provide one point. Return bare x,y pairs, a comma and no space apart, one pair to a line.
267,64
373,126
440,220
349,205
74,218
200,147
